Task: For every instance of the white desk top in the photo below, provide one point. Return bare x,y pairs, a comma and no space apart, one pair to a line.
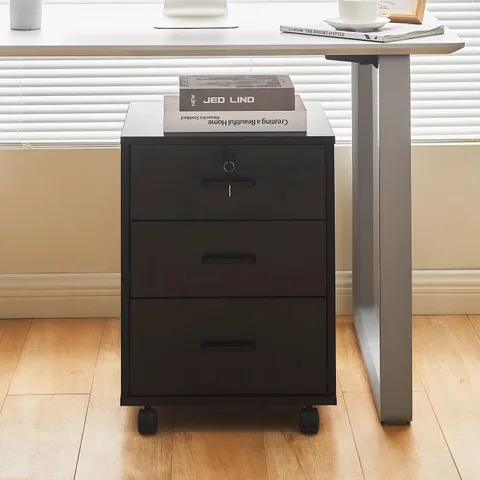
128,30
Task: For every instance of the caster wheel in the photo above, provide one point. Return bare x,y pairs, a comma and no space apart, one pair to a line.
309,421
147,421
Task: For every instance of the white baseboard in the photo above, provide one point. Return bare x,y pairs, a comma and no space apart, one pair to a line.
435,292
60,295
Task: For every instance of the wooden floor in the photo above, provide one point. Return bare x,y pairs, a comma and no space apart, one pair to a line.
60,416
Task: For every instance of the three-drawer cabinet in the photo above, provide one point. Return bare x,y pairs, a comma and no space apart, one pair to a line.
228,268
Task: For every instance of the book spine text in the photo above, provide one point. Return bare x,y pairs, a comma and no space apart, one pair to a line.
230,122
264,99
331,33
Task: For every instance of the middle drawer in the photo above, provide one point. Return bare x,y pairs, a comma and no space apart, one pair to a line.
228,259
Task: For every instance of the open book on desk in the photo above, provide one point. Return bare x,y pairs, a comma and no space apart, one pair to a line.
392,32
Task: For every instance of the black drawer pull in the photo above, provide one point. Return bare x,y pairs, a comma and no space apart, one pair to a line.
229,259
237,182
228,346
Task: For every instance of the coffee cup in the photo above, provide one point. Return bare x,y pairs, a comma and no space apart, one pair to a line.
363,11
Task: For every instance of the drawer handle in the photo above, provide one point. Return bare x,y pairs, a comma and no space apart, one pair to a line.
237,182
229,259
228,346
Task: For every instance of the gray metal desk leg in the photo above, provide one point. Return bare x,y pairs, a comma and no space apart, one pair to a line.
382,265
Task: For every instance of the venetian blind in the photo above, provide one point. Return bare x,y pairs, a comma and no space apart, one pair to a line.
82,101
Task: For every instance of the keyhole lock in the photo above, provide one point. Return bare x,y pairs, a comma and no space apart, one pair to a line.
229,168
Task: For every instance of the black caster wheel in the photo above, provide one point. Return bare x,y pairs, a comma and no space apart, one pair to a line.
309,421
147,421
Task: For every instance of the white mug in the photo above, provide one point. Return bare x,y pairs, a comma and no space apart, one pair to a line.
363,11
25,14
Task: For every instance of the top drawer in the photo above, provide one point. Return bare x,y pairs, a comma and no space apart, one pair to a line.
189,182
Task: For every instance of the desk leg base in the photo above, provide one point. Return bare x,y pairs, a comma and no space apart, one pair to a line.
360,59
382,270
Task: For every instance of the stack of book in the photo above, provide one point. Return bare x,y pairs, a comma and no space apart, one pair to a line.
253,104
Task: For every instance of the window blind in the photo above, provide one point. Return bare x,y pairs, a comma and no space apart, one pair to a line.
82,101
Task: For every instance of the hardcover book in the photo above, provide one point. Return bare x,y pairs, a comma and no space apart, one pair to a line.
237,93
289,121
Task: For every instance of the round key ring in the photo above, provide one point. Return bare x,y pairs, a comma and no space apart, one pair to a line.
229,167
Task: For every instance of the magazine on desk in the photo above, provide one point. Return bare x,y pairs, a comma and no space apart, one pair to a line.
392,32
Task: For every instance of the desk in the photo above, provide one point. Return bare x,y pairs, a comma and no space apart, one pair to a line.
382,265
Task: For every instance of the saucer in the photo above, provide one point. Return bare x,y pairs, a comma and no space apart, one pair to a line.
339,24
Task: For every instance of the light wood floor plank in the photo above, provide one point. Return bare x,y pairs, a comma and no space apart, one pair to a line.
111,448
13,334
475,319
59,356
447,355
414,452
330,455
221,443
416,380
350,366
218,455
40,436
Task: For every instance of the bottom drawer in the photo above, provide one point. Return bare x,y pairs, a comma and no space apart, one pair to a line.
228,347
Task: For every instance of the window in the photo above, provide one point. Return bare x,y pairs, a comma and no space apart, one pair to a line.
82,101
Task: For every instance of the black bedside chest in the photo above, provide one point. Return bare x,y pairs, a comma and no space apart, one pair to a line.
228,268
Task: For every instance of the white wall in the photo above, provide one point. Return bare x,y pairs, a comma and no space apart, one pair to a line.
60,214
60,211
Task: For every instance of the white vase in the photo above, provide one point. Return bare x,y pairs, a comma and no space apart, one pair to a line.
25,14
